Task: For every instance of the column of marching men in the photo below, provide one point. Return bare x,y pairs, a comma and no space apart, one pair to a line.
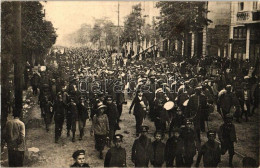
177,96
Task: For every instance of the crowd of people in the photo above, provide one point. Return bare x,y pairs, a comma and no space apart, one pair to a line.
178,96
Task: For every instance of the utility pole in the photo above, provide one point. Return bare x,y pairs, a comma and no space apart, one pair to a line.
18,58
118,32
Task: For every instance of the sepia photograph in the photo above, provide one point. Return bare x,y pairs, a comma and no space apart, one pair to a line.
130,83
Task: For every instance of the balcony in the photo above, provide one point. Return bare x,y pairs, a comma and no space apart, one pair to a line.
247,17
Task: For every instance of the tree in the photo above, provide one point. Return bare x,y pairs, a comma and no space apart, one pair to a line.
181,17
96,32
133,25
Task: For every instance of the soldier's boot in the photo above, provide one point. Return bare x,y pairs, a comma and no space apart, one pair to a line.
73,136
68,133
80,135
230,160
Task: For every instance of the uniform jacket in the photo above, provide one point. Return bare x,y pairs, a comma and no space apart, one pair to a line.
73,111
59,109
83,111
138,109
142,152
112,114
197,106
100,124
115,157
158,148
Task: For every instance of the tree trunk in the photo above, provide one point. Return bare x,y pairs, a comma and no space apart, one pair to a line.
18,59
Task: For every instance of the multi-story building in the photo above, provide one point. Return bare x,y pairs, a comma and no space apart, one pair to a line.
245,30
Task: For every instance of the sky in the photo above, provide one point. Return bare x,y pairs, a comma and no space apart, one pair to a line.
68,16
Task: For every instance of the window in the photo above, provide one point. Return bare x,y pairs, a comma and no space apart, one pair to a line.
235,32
241,6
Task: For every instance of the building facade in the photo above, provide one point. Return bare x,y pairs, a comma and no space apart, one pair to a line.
245,31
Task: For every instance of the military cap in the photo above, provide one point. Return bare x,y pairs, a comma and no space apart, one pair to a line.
118,137
77,153
211,133
144,128
228,86
101,105
109,97
176,130
188,121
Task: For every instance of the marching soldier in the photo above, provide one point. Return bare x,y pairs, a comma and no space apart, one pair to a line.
112,115
72,118
116,156
142,150
83,110
140,104
227,137
210,151
178,120
47,112
59,115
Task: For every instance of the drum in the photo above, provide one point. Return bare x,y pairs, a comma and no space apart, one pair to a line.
168,105
185,103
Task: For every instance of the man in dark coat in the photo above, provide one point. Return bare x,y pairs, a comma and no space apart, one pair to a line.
72,118
178,120
142,150
210,151
79,157
158,149
112,115
174,149
83,111
140,104
189,138
197,106
227,137
59,115
116,156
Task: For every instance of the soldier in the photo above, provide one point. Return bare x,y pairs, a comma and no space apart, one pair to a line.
210,151
83,110
112,115
120,99
189,138
227,137
116,156
59,114
140,110
197,105
142,150
79,157
158,149
174,149
72,118
100,129
47,112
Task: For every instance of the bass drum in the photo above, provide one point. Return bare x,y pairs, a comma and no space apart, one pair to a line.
168,105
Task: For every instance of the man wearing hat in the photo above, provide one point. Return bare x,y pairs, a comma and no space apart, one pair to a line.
142,150
83,111
116,156
210,151
197,106
158,149
174,149
79,157
189,138
112,115
100,128
227,137
59,109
